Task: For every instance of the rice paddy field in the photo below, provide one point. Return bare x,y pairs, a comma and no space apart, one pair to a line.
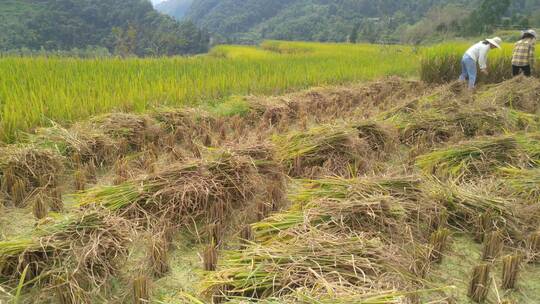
340,186
34,91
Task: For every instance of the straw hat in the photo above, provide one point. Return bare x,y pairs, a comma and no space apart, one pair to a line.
530,32
495,41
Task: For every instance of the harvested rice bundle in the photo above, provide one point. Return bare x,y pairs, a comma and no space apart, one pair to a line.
384,217
381,138
432,126
324,150
474,158
271,112
23,169
523,182
130,166
383,207
81,144
423,128
83,249
310,258
521,93
136,130
444,99
466,203
186,123
339,296
529,144
183,191
356,188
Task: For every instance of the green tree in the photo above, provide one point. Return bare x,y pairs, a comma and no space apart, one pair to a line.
486,17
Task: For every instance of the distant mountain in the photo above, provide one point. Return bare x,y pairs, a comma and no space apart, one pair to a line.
327,20
124,27
175,8
320,20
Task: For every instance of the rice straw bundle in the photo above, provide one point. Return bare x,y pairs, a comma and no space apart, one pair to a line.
183,191
471,158
520,93
136,130
81,144
186,123
308,259
340,188
523,182
23,169
84,247
467,201
330,148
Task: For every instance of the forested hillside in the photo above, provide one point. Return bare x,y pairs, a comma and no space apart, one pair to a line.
124,27
174,8
365,20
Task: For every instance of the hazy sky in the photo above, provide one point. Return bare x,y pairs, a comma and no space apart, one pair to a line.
157,1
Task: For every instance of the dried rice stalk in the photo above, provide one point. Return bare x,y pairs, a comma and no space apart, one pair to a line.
438,244
159,257
183,191
511,265
141,291
40,208
210,258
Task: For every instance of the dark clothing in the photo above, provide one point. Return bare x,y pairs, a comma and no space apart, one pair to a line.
516,70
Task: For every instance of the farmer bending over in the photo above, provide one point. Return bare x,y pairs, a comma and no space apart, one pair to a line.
477,54
523,58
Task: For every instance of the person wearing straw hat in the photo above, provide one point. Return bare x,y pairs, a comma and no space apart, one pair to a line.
523,58
477,55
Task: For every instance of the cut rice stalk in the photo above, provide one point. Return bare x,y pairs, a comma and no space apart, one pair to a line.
511,266
480,283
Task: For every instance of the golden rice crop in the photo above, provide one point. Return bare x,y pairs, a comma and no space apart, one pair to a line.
102,85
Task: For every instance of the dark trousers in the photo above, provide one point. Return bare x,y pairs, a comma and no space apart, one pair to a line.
516,70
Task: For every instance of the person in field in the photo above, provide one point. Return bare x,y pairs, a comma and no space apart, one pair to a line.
477,55
523,58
